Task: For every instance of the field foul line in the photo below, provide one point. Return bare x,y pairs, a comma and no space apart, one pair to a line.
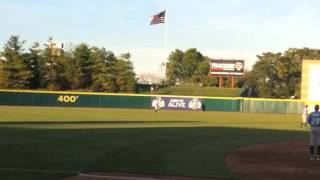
40,171
83,174
116,177
72,172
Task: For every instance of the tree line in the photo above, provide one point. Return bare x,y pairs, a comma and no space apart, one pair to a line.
81,67
274,75
278,75
188,67
90,68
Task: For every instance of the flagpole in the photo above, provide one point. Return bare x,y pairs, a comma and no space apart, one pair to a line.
166,31
165,41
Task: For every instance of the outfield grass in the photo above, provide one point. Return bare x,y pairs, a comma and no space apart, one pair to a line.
199,91
127,140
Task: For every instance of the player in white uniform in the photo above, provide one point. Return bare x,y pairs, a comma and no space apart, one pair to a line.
158,103
305,115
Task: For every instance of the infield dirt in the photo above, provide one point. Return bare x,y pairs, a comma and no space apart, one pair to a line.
281,160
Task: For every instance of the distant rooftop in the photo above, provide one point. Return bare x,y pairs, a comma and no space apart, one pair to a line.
2,58
149,78
297,49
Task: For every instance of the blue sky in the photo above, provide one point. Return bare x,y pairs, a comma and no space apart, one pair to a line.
236,29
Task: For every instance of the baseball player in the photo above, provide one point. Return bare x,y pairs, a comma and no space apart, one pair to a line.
314,121
158,103
305,115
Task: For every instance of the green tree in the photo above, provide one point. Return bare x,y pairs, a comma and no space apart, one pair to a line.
174,67
296,56
15,70
277,75
55,69
71,70
209,81
125,80
33,60
104,70
13,49
82,55
52,67
125,56
191,60
188,66
202,72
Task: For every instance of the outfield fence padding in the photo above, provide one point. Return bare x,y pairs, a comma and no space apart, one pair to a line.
73,100
256,105
230,104
80,99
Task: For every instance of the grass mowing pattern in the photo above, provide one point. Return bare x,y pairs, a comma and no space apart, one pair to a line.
140,141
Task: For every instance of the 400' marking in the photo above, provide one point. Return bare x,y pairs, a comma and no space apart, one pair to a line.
68,99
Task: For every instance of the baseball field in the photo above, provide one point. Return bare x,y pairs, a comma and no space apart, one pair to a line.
54,143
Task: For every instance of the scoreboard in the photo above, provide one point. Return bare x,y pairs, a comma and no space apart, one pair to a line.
226,67
310,83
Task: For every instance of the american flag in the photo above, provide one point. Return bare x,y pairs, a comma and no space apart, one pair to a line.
158,18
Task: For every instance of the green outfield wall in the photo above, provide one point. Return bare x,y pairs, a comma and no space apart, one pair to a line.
82,99
221,104
65,99
271,106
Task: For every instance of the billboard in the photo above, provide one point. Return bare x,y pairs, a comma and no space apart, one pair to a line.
226,67
176,103
314,82
310,83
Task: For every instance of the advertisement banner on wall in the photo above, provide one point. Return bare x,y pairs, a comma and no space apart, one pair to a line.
176,103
